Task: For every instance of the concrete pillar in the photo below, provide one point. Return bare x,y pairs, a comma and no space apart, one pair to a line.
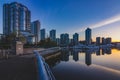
17,48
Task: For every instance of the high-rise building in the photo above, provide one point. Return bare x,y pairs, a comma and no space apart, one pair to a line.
108,40
53,35
88,36
76,38
71,42
16,17
58,41
42,34
103,41
64,39
35,29
98,41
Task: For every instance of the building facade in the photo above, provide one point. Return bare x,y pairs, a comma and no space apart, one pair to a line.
64,39
103,41
42,34
76,38
98,40
35,29
58,41
108,40
53,35
88,36
16,17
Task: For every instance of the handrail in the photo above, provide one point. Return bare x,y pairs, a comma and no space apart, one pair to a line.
50,49
44,72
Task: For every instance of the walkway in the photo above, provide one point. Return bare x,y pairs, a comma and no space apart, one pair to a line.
18,68
23,67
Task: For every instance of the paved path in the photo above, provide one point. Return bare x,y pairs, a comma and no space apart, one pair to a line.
21,67
18,68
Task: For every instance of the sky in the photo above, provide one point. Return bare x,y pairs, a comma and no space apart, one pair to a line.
71,16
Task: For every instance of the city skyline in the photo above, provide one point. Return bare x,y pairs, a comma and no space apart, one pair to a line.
102,23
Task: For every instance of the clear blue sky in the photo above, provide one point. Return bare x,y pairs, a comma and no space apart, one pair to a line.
70,16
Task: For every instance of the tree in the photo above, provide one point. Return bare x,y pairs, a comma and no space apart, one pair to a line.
22,38
47,43
6,41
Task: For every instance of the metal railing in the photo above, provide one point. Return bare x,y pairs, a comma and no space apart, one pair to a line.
44,72
54,48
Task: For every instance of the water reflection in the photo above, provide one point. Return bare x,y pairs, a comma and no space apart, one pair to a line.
77,64
106,51
98,52
75,55
66,53
53,60
88,57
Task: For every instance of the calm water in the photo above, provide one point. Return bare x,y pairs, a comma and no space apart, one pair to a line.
103,64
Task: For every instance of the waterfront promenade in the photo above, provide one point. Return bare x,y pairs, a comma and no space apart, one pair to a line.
18,68
22,67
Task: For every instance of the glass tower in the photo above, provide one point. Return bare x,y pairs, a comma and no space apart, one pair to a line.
53,35
16,17
76,38
42,34
88,36
35,29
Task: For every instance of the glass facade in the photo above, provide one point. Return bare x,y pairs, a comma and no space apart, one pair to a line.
64,39
53,35
42,34
35,29
88,38
76,38
16,17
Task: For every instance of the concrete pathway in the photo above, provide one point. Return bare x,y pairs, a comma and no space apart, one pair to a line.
18,68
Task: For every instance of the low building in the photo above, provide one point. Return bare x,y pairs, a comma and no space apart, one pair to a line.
29,37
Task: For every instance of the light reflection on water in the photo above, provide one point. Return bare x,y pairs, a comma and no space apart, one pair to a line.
101,64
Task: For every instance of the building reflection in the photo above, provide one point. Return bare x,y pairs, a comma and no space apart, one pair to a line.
64,55
98,52
106,51
103,51
88,57
75,56
53,60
